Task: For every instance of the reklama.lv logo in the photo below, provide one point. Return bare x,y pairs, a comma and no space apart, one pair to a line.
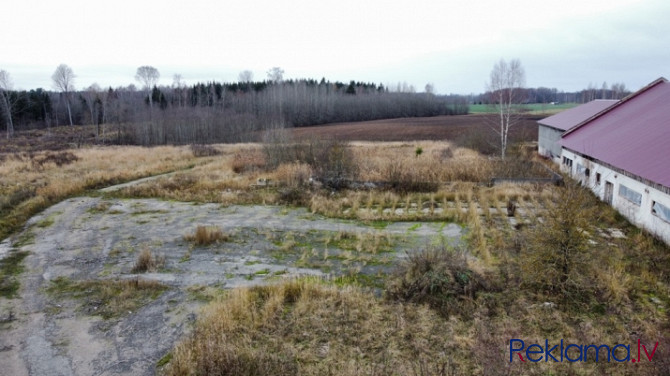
577,353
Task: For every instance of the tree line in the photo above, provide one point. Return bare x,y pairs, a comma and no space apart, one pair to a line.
552,95
236,111
210,111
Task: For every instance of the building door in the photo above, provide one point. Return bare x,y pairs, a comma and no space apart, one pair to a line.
609,191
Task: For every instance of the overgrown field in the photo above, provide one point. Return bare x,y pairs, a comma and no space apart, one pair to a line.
31,182
541,262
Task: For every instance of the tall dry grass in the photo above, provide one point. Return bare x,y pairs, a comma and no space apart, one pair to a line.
31,182
309,328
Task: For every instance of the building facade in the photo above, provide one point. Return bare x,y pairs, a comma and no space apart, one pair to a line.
623,155
551,129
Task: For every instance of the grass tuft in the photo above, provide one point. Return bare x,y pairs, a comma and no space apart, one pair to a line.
206,235
147,262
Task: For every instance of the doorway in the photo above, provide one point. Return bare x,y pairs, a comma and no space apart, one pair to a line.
609,192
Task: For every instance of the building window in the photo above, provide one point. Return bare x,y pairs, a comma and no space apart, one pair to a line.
630,195
661,211
598,178
567,161
587,172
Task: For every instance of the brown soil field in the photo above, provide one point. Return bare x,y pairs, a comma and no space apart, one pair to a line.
453,128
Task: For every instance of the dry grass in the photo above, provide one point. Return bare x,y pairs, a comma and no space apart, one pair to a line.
32,182
206,235
293,174
314,329
148,262
306,327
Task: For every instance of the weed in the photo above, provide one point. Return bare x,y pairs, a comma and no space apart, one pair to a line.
107,298
46,222
11,266
164,360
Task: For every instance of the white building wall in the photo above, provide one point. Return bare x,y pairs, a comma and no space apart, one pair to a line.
640,215
548,142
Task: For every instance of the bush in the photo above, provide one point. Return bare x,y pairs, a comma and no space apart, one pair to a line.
332,161
556,256
294,174
438,277
248,162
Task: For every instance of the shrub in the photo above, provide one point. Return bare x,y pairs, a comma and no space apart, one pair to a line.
294,174
438,277
556,256
332,161
249,161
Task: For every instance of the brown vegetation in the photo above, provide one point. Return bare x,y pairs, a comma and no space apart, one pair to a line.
147,262
32,182
537,262
322,329
206,235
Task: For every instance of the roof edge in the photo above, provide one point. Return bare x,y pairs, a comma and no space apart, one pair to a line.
616,105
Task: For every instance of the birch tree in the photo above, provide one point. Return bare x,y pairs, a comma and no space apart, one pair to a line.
93,103
63,79
148,76
506,87
5,88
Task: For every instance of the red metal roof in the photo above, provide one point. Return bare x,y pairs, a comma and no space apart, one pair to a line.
567,119
633,135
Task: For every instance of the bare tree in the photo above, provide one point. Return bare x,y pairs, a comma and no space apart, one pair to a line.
63,79
93,103
619,90
5,88
276,75
430,88
246,76
148,76
506,88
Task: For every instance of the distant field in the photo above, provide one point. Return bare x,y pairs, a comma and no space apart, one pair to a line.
533,108
466,130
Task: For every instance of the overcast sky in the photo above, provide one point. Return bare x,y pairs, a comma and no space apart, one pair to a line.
453,44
